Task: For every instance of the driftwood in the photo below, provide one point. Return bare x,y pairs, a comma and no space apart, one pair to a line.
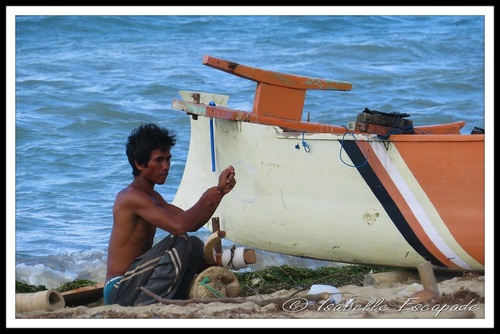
236,300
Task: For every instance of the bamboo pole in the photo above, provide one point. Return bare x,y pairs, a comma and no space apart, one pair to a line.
48,300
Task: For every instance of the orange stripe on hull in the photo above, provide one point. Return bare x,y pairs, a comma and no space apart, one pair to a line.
452,176
403,206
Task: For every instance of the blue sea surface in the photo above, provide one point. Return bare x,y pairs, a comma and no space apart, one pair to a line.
83,82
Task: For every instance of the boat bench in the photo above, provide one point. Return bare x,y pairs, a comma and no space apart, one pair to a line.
277,94
279,101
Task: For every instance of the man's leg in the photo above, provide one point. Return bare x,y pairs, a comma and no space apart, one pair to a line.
173,273
193,267
159,270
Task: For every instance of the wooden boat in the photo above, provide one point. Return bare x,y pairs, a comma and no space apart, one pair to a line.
381,191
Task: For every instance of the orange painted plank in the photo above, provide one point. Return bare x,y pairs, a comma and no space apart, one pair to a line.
278,94
287,125
450,128
275,78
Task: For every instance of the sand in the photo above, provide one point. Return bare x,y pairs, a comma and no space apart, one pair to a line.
460,302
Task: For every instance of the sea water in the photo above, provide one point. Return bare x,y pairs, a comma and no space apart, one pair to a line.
83,82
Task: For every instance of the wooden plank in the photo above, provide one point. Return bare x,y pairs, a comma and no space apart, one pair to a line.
389,121
204,98
382,130
291,81
84,295
238,115
277,94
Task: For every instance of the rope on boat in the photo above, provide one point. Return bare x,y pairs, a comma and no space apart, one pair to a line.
304,144
395,129
342,148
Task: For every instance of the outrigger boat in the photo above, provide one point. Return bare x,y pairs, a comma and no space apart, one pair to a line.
381,191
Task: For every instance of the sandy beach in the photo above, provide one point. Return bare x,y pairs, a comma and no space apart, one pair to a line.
461,302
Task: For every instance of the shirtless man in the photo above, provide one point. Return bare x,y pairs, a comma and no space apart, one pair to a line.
168,267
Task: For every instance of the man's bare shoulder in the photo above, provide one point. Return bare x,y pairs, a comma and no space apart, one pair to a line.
131,194
128,203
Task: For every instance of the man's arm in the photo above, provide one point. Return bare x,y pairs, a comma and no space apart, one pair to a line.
191,219
226,183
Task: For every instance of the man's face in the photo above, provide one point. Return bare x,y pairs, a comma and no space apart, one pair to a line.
158,166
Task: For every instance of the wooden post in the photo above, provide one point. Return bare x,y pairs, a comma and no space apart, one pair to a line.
427,277
213,247
215,228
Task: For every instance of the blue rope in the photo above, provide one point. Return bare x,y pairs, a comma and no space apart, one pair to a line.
305,145
342,147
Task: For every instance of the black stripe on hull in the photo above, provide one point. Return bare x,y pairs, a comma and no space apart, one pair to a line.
378,189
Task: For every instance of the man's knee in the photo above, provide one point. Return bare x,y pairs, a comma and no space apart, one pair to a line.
197,244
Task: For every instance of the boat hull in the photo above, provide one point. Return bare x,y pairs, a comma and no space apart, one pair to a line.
351,198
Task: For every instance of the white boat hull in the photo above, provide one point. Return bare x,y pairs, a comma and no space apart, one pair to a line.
312,204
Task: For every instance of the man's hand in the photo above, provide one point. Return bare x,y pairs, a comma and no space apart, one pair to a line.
227,180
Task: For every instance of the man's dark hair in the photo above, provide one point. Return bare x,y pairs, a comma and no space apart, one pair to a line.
143,140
